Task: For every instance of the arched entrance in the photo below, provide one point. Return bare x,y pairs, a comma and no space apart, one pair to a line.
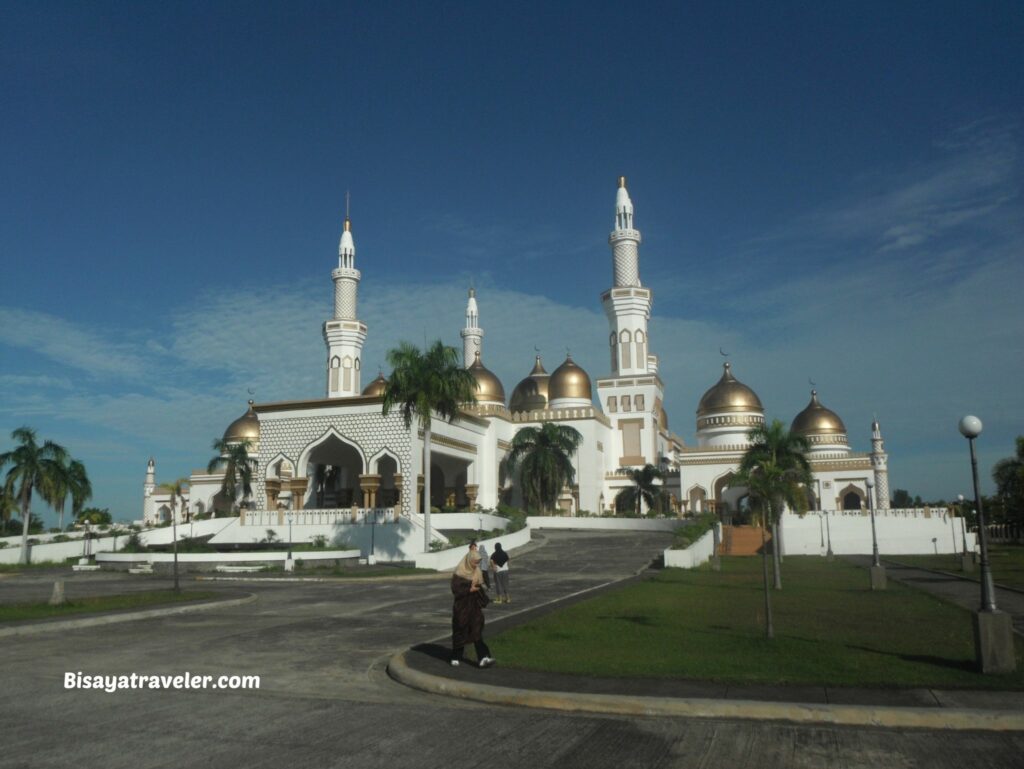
387,468
333,468
698,499
852,498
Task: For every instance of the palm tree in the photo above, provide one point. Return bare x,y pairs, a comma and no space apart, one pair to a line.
79,486
238,467
177,493
775,471
55,490
421,384
1009,477
644,489
543,457
32,466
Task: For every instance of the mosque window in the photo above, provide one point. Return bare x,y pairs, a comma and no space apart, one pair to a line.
624,344
640,352
613,406
625,403
638,402
615,349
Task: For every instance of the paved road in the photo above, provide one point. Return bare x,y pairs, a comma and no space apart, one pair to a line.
325,699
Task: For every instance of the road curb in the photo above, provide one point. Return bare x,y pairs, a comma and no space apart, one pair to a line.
112,619
631,705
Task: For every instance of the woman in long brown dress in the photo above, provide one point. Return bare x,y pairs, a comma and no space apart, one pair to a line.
468,611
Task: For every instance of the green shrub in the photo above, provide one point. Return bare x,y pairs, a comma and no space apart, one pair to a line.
684,536
61,538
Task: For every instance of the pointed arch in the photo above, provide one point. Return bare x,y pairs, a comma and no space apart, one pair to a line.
277,466
331,432
851,497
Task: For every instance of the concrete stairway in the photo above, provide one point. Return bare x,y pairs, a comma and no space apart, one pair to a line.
741,540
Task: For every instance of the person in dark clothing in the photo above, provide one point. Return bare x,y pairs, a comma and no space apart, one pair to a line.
499,568
468,611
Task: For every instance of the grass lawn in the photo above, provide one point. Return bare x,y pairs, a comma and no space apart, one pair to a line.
1007,562
830,629
24,611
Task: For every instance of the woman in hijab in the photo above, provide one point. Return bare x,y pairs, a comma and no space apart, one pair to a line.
468,609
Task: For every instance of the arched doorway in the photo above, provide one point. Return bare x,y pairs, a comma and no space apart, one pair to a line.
852,498
333,468
698,499
387,468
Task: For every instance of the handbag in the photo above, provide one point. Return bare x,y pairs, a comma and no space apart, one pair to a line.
481,598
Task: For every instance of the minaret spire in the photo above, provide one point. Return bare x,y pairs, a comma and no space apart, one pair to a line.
345,333
472,334
625,240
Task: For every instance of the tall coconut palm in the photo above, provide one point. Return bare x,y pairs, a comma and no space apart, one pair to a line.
177,492
643,490
776,472
55,490
79,486
238,467
422,384
543,457
33,466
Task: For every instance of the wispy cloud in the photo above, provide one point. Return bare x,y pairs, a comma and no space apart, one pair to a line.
90,351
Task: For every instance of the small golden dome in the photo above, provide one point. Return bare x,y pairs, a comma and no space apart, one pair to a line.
489,388
817,420
729,394
246,427
376,388
569,381
532,393
663,419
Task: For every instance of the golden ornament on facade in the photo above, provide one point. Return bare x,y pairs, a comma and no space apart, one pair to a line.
729,394
817,420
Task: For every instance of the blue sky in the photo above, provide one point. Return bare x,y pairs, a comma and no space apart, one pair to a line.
826,191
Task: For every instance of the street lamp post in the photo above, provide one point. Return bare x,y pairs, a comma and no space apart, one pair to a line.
829,555
289,563
993,629
966,561
877,570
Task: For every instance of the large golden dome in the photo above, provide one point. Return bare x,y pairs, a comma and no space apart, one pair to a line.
532,393
489,388
246,427
376,387
569,381
817,420
729,394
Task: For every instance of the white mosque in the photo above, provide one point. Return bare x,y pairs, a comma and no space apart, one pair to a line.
340,451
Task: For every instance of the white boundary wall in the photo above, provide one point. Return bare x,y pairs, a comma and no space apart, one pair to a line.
270,556
899,532
444,560
604,523
698,553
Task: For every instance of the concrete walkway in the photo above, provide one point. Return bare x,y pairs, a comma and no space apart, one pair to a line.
321,649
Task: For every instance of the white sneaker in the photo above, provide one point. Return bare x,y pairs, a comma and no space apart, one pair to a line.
486,662
455,663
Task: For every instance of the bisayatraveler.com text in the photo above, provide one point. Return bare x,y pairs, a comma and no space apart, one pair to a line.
114,683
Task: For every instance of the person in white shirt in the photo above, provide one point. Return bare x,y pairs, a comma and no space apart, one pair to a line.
499,567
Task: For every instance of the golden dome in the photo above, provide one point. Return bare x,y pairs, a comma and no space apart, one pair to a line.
817,420
376,388
246,427
532,393
729,394
489,388
663,419
569,381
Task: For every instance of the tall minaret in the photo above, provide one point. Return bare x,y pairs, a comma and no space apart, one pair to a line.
147,491
345,334
632,395
472,334
880,462
627,304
